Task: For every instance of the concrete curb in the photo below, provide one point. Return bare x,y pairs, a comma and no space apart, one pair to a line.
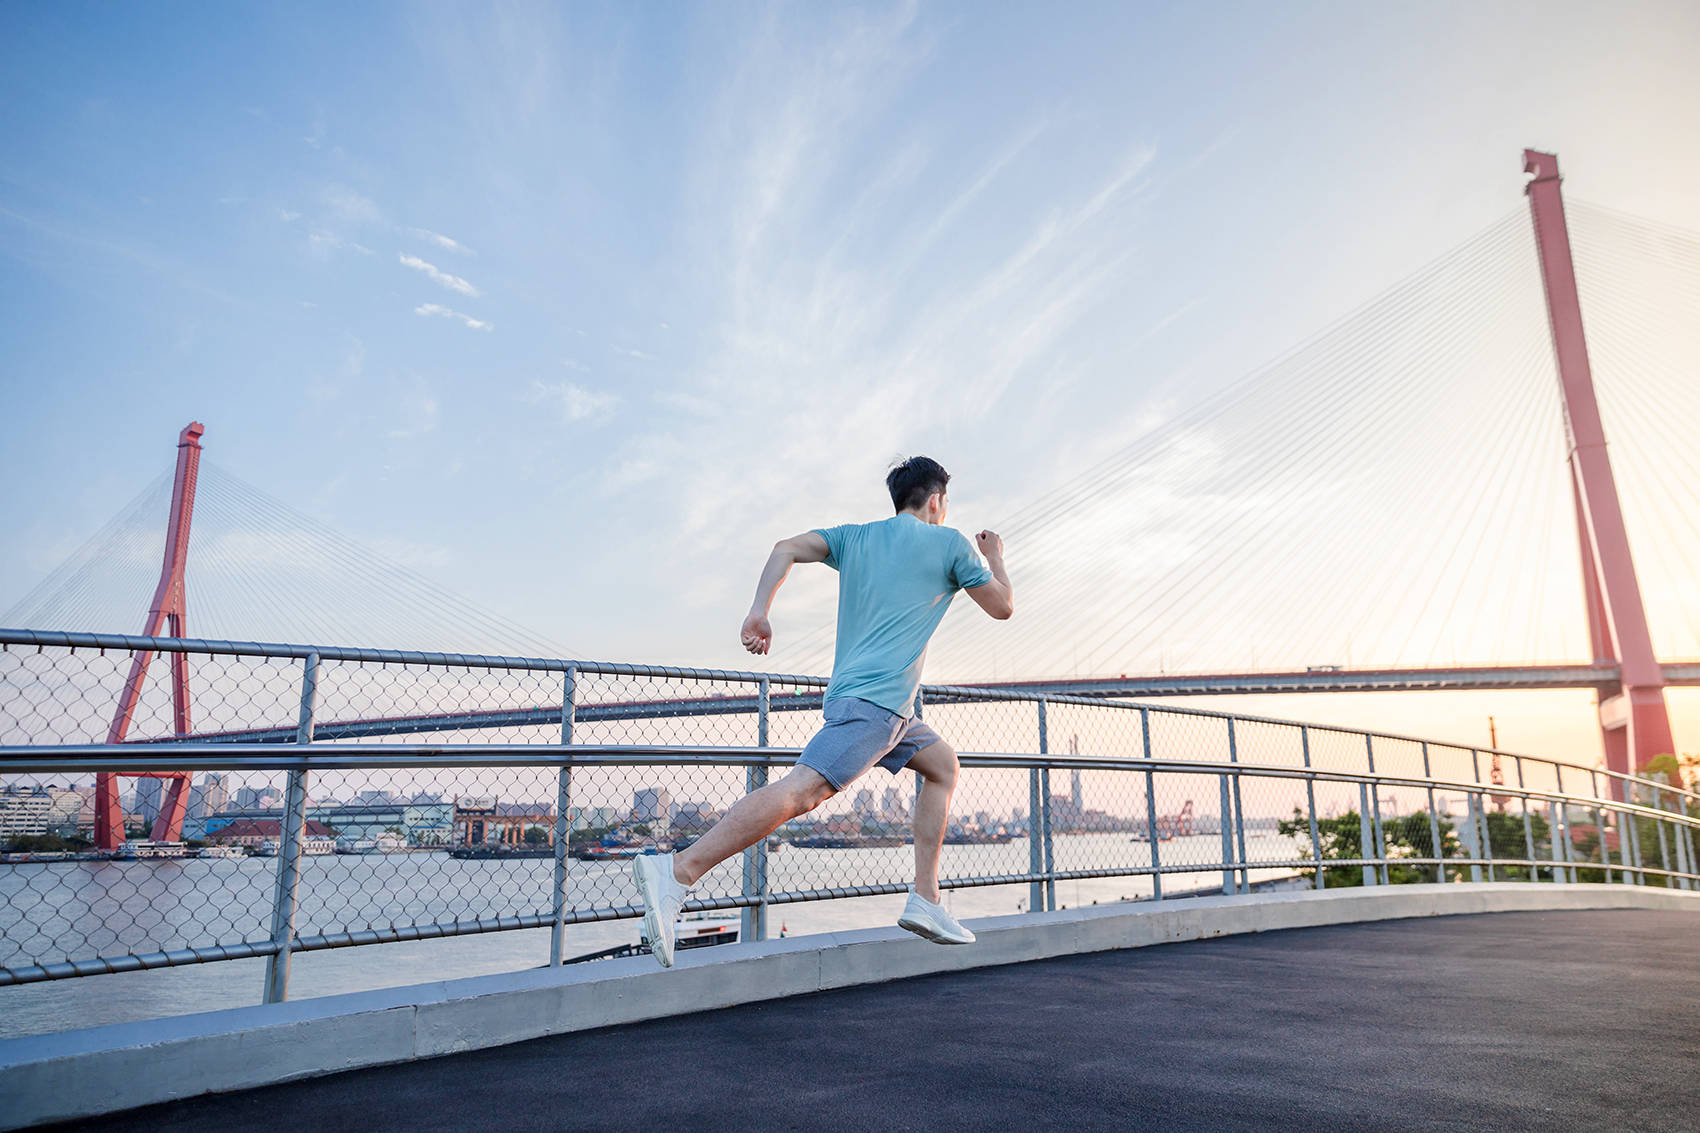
106,1069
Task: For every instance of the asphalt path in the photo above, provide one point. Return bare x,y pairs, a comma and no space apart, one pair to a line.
1580,1020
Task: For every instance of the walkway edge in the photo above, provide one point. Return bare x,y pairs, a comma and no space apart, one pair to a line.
105,1069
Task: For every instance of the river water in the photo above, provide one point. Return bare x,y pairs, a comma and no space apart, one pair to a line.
85,909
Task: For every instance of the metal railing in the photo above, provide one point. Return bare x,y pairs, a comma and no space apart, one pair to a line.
560,755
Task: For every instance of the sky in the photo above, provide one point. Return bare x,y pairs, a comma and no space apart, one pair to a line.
575,309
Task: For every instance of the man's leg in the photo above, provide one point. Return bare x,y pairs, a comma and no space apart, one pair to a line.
754,817
937,767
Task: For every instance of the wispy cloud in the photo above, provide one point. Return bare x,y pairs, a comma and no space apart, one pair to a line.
431,271
574,401
441,241
287,215
350,205
417,413
322,241
437,310
631,352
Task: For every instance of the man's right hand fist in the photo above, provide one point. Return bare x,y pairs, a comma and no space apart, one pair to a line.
757,634
990,544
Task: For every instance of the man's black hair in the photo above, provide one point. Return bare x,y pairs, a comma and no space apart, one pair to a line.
912,481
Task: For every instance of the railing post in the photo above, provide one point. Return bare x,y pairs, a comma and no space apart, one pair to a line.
1310,809
1151,836
1600,827
1472,803
1664,843
1629,826
1484,850
1561,813
1437,848
753,918
1035,839
1048,861
563,817
1687,833
1528,827
1226,823
1684,847
1239,812
291,829
1375,818
1365,833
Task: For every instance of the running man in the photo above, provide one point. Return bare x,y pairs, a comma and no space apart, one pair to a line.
896,579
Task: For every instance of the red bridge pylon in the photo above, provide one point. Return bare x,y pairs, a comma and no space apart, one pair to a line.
1634,724
170,603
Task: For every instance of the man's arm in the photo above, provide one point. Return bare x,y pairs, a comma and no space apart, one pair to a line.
996,597
809,547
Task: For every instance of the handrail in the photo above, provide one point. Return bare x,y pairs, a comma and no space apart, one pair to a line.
102,641
366,756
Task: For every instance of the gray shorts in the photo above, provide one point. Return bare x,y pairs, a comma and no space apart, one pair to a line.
859,734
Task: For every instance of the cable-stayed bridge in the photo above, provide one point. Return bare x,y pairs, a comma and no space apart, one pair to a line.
1397,504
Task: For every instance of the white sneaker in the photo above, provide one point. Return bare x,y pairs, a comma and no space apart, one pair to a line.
663,896
932,922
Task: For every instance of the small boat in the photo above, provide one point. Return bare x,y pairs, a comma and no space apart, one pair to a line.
221,852
606,853
132,851
484,853
698,930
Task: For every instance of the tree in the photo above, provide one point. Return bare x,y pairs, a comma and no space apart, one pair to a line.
535,835
1341,839
44,844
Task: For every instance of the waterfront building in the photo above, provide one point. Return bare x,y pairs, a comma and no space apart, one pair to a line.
421,824
257,831
38,810
481,821
23,811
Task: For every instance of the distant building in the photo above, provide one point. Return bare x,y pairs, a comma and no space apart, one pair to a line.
150,794
653,805
422,824
588,817
253,831
215,794
865,802
85,810
36,810
693,818
251,798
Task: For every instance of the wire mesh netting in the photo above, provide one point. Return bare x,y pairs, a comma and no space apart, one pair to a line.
435,789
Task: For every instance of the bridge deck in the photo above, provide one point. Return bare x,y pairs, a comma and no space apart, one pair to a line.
1499,1021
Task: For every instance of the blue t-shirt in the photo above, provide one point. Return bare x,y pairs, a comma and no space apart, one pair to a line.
895,581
